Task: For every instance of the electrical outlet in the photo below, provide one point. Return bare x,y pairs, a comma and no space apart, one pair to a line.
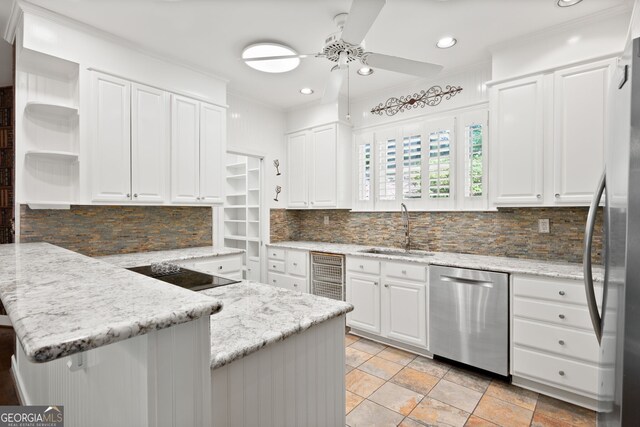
543,225
326,220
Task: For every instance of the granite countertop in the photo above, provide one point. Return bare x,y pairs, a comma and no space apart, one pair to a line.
146,258
256,315
61,302
561,270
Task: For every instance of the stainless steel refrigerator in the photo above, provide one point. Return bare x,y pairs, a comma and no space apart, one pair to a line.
620,306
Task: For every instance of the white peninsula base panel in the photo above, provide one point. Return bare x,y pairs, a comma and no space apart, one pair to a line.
157,379
296,382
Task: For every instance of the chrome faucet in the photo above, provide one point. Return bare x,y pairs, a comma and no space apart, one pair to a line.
405,225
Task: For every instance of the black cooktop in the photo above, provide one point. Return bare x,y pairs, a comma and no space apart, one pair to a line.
185,278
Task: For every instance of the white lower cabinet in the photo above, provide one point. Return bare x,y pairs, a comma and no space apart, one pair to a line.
553,347
389,299
404,311
288,269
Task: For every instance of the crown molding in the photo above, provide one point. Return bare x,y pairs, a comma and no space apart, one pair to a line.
50,15
585,21
15,16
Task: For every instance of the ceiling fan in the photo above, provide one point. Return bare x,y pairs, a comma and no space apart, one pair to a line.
346,46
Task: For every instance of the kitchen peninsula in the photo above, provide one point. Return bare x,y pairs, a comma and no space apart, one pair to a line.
87,328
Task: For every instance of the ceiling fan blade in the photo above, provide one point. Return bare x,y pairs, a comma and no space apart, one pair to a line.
333,85
273,58
362,15
400,65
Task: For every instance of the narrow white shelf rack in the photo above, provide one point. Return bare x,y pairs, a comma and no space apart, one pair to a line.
53,110
53,155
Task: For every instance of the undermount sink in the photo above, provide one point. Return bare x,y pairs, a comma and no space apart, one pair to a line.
398,252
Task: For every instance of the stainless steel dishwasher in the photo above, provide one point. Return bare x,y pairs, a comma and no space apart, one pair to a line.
469,317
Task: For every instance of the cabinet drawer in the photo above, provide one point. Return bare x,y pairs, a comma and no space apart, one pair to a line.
556,371
297,262
400,270
276,253
278,280
363,265
276,266
567,291
555,339
559,314
215,265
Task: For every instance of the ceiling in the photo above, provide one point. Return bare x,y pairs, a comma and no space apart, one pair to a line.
210,34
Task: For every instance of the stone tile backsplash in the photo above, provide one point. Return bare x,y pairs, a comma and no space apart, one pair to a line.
511,232
107,230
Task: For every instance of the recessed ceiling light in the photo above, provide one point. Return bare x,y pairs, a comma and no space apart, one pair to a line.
567,3
446,42
306,91
365,71
260,50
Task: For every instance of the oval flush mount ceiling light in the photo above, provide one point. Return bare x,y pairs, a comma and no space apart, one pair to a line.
446,42
567,3
365,71
261,50
306,91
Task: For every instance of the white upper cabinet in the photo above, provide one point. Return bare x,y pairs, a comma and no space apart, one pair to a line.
297,170
323,183
319,174
111,135
149,144
185,149
517,142
212,152
580,100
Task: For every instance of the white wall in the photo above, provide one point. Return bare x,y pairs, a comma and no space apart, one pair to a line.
253,127
6,64
575,42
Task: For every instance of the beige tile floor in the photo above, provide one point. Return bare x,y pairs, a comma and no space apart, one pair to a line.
390,387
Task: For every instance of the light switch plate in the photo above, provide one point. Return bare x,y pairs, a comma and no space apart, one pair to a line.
543,225
326,220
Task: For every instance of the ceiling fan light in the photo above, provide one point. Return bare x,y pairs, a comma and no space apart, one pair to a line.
365,71
306,91
567,3
446,42
260,50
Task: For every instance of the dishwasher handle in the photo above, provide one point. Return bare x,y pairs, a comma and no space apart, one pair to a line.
463,281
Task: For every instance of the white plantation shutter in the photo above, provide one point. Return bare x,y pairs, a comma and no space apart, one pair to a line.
387,168
473,168
472,128
412,167
365,159
439,164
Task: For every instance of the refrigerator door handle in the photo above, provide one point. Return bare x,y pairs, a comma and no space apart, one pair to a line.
596,319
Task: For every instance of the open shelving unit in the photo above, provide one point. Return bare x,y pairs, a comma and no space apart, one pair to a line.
7,155
47,109
242,226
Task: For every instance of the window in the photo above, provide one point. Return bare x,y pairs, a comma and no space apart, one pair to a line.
364,172
387,168
411,167
439,168
473,167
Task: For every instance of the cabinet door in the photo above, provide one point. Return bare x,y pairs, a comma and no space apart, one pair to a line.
404,308
212,149
111,147
364,293
297,170
323,185
517,141
580,98
185,149
149,144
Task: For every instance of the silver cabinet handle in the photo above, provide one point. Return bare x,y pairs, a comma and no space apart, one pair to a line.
295,264
561,316
128,195
404,271
361,266
295,285
561,342
561,373
219,267
386,285
539,196
557,195
375,283
596,319
135,194
561,293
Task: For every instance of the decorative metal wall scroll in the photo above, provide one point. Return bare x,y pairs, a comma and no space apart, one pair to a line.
278,191
431,97
276,163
